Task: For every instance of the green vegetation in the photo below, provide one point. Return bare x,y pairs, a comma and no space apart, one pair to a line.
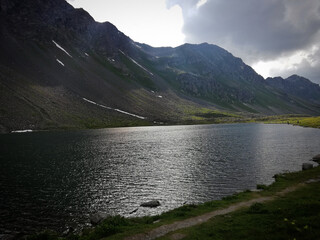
95,123
205,115
304,121
291,216
194,115
262,187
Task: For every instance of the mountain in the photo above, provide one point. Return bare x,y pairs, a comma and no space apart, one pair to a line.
297,86
61,69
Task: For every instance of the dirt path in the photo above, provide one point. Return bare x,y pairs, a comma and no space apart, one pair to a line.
165,229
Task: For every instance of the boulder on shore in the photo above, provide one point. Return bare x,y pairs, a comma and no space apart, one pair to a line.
98,218
151,204
306,166
316,158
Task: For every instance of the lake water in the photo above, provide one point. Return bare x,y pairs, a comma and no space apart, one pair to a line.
57,179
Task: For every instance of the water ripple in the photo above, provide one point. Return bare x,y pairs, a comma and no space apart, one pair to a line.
57,179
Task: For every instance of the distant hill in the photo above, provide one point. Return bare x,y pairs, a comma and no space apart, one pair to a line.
297,86
61,69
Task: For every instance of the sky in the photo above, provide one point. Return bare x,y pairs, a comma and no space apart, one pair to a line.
275,37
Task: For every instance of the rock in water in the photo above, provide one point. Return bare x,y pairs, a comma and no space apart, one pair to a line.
98,218
316,158
306,166
151,204
134,211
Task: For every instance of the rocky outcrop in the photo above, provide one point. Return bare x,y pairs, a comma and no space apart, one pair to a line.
211,88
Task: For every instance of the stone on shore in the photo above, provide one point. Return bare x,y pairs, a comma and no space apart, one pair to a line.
98,218
151,204
306,166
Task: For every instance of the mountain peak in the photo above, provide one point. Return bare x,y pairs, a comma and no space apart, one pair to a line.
297,78
298,86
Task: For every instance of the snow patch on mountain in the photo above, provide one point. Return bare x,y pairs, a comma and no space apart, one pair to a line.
60,62
114,109
61,48
135,62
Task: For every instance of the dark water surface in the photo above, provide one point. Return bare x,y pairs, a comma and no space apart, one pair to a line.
57,179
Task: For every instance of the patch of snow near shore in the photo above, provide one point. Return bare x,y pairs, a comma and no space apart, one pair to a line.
117,110
60,62
22,131
137,63
61,48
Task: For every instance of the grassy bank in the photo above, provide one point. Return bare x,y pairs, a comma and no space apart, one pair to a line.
295,215
303,121
208,116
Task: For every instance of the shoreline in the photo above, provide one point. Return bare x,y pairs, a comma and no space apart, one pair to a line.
309,122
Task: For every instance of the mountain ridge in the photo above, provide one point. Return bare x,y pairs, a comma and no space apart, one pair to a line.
297,85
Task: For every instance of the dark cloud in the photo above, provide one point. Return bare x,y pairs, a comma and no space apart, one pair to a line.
253,29
309,68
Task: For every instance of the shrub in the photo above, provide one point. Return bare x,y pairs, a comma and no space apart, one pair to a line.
257,208
262,186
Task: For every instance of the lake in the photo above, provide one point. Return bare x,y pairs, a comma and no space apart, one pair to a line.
58,179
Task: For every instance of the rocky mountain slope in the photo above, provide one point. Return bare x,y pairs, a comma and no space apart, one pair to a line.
61,69
297,86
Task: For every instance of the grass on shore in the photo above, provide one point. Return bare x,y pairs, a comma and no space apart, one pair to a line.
209,116
303,121
301,207
199,116
293,216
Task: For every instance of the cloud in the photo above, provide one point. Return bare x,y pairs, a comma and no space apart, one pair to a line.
143,21
309,66
255,30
